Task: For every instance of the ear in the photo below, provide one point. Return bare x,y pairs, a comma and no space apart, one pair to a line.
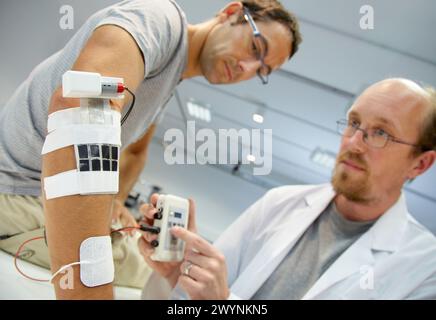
233,8
422,163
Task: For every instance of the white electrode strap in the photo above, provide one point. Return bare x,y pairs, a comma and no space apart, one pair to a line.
74,182
94,130
72,116
81,134
99,269
63,118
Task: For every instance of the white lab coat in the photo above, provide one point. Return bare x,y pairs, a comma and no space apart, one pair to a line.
394,259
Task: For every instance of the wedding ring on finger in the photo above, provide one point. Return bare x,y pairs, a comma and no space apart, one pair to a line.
187,268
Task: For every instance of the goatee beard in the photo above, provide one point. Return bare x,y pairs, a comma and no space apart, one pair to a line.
355,190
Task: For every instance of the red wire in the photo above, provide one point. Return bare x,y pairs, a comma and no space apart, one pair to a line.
17,256
42,237
124,229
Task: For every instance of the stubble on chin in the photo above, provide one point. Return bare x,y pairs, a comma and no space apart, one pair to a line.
344,185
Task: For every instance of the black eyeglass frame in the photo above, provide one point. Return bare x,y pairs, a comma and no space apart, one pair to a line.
257,35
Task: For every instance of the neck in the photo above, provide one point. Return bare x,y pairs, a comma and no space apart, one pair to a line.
197,35
365,211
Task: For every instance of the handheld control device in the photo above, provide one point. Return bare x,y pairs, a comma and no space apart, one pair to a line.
172,211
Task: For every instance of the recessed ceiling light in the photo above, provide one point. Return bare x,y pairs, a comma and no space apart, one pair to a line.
257,118
251,158
324,158
196,110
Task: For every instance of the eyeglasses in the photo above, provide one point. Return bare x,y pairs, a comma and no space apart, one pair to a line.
376,138
260,48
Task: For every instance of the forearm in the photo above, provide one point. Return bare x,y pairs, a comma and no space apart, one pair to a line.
68,222
72,219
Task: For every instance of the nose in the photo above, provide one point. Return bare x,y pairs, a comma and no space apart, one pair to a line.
249,66
356,142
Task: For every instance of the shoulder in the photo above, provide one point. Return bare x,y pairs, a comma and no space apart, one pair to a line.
418,235
294,192
145,11
282,201
155,25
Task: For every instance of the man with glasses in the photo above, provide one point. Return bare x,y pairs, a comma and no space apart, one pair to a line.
350,239
241,48
150,44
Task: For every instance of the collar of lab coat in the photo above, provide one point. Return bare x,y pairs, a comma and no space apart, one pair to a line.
389,229
386,233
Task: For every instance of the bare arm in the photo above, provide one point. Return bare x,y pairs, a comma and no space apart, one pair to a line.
111,51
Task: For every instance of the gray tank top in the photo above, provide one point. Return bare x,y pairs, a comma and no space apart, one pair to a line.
159,28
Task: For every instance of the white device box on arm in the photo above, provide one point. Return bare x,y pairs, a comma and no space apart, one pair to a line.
80,84
172,211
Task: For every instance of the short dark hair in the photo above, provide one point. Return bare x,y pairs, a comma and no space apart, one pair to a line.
273,10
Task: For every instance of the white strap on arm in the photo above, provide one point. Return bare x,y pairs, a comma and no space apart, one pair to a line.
63,118
74,182
66,128
81,134
71,116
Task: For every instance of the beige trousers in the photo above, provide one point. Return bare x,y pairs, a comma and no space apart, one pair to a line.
22,218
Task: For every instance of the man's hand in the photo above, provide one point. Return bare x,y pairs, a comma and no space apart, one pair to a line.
121,213
204,271
169,270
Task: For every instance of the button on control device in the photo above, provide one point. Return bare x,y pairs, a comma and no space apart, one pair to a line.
172,211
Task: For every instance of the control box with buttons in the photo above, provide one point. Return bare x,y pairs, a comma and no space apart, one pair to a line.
172,211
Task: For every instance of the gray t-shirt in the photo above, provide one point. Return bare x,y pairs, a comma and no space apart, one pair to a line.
322,243
159,27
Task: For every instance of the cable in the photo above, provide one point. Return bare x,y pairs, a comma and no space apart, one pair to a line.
17,255
65,267
131,105
124,229
20,248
